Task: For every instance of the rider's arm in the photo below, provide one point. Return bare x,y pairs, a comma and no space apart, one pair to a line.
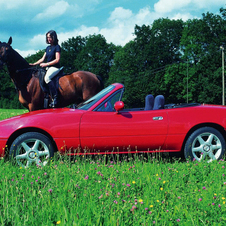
40,60
53,62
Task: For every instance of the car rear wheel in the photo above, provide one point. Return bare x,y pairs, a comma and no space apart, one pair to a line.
32,148
205,143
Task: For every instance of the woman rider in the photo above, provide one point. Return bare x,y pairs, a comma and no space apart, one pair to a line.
52,57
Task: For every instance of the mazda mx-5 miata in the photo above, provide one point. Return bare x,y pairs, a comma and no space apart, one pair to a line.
102,125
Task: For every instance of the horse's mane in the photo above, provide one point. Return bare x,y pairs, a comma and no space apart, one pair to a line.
20,61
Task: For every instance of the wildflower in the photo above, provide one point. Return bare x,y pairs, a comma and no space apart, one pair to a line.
141,201
115,202
128,185
86,177
159,178
146,208
179,197
161,189
134,182
58,222
223,198
164,182
133,208
151,206
178,220
219,206
50,191
204,188
118,193
200,199
101,197
213,203
45,173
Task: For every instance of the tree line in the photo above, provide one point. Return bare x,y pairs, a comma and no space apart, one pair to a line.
180,60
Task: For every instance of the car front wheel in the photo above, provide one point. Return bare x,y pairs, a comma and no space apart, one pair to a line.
32,148
205,143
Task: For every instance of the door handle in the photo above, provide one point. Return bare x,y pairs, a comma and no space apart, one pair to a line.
158,118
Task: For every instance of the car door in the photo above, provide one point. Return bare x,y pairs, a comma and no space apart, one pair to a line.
124,131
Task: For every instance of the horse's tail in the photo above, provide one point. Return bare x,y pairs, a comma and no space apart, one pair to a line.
101,82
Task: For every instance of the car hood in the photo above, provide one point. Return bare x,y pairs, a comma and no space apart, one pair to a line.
48,120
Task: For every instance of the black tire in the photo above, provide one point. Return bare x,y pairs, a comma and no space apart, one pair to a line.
205,143
32,148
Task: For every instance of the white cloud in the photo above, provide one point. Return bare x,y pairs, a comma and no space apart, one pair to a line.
38,41
26,53
164,6
183,16
53,11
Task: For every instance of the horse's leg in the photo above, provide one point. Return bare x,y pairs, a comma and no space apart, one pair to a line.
22,100
36,95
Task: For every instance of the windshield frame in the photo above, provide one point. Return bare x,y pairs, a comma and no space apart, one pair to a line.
93,100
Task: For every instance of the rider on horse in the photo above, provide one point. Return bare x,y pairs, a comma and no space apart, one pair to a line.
52,65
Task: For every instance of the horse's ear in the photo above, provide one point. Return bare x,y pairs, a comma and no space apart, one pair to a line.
10,41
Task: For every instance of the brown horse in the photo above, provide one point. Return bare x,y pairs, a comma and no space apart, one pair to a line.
73,88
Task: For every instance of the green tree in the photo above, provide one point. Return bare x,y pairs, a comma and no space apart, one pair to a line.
201,43
70,51
96,56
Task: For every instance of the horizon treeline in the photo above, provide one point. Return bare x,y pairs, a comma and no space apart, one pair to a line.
181,60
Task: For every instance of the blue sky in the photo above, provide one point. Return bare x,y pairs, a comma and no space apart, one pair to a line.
27,21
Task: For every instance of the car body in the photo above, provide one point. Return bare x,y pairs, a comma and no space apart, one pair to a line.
102,125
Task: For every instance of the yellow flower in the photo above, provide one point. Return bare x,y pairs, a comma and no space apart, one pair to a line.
151,206
140,200
157,175
58,222
223,198
223,202
164,182
134,182
157,200
161,189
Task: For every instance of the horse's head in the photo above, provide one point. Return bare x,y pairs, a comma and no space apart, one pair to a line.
5,48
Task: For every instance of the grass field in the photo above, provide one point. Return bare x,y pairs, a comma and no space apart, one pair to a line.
119,190
6,113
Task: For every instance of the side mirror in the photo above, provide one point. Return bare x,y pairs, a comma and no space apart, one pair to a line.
119,106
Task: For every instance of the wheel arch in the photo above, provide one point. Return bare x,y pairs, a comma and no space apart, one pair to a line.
17,133
213,125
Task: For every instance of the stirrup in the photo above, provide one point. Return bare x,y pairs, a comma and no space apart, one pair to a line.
53,104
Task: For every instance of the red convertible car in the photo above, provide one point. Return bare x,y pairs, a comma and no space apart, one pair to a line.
102,125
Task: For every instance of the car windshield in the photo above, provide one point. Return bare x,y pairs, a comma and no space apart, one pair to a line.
87,104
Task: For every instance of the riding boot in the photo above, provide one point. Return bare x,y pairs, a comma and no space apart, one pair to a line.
46,100
54,94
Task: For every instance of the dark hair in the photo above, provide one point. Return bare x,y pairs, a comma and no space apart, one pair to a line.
53,35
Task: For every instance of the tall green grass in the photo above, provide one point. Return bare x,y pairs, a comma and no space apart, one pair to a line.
96,191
